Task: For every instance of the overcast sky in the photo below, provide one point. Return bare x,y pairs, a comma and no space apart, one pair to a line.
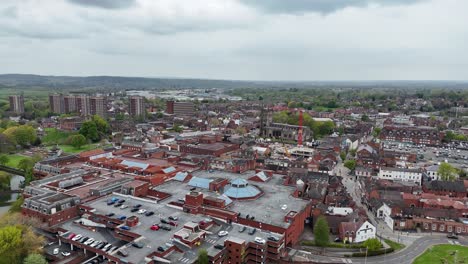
237,39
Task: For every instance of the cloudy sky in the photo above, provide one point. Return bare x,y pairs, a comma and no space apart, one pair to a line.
237,39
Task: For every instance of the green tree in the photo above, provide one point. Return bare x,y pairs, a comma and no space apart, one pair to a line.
365,118
376,131
101,124
343,155
447,172
10,244
321,232
350,164
178,128
203,257
35,259
27,165
4,180
372,244
77,141
4,159
16,205
23,135
89,130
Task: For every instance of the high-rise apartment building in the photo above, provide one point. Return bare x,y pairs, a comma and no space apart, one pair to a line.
98,106
17,103
70,104
56,103
137,106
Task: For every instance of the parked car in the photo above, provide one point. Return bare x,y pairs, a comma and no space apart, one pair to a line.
175,218
164,221
173,223
134,210
137,206
123,217
142,211
123,206
110,214
121,201
123,252
273,238
150,213
66,253
165,227
259,240
252,231
56,251
223,233
89,241
138,244
219,246
71,236
161,249
452,236
77,237
125,227
154,227
242,229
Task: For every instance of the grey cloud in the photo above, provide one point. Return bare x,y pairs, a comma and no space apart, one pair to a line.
318,6
107,4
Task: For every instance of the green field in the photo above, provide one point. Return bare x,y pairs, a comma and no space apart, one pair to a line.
54,136
14,159
443,254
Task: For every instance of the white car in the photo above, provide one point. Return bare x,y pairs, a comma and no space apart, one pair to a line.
77,237
142,211
123,206
259,240
95,243
223,233
65,253
89,241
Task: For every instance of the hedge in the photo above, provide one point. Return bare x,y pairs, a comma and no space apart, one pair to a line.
373,253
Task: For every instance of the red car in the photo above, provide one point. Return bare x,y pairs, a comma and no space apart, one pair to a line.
154,227
72,235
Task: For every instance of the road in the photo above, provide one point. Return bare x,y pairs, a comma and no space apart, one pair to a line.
408,254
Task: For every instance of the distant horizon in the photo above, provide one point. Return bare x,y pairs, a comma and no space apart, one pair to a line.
237,80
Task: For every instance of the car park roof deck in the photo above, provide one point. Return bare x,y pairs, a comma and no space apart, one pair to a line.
152,239
276,196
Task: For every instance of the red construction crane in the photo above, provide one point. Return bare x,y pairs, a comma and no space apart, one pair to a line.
299,134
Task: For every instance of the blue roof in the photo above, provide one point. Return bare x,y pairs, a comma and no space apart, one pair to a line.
240,189
226,199
200,182
180,176
239,181
168,169
128,163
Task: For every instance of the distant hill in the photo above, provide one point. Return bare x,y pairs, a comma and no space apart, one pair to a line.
116,82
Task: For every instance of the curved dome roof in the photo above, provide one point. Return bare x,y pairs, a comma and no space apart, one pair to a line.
240,188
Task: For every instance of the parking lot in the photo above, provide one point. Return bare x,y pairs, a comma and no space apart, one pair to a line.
450,153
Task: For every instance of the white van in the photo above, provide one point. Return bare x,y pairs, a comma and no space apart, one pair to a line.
56,251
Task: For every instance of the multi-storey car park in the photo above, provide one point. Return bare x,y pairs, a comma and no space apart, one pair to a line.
259,215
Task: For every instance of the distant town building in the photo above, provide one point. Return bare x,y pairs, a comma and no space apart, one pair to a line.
180,108
415,135
137,106
70,105
56,103
17,103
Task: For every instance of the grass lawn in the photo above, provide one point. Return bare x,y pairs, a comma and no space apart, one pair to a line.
54,136
394,245
444,254
14,159
70,149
